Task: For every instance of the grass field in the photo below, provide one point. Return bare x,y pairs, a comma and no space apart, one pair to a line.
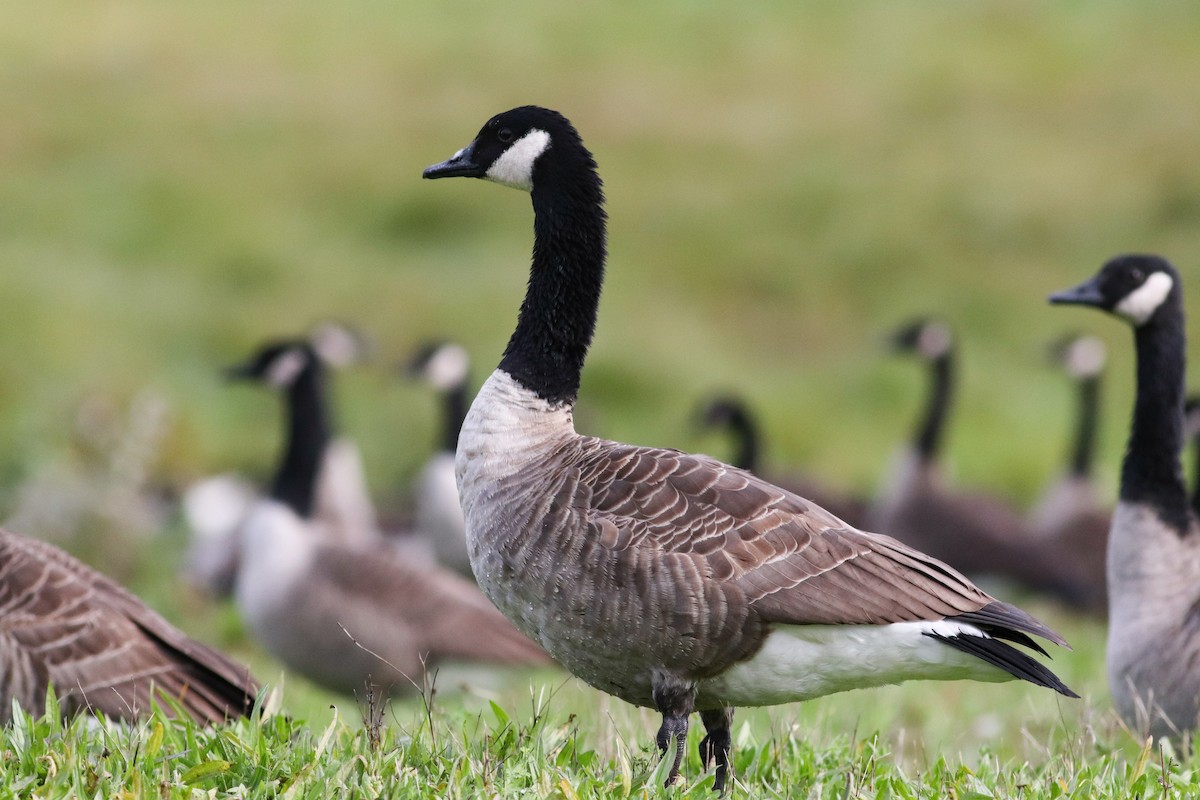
786,181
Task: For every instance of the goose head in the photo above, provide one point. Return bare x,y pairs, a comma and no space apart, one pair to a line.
277,364
926,338
521,148
340,344
1080,355
1133,287
723,411
443,365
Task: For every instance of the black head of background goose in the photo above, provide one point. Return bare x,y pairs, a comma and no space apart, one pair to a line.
674,581
1154,543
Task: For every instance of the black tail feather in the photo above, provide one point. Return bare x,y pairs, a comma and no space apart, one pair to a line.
1007,658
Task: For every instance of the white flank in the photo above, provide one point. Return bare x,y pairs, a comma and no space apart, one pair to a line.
514,167
800,662
286,367
439,514
277,549
1140,304
447,367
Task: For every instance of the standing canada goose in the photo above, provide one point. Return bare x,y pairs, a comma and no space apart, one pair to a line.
1154,543
972,531
670,580
215,507
349,612
445,366
104,650
1192,432
733,415
1069,513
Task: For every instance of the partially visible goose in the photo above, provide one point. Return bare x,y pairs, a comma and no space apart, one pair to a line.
733,416
346,611
972,531
1154,543
674,581
1069,512
103,649
1192,432
216,507
445,366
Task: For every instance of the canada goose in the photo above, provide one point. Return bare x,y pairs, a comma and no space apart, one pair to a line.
1192,432
63,623
972,531
732,415
215,507
1154,542
669,580
1069,512
445,367
349,612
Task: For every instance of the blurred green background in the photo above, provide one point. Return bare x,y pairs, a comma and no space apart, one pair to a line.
786,182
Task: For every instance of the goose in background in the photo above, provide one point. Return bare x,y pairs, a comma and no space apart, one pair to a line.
1069,512
670,580
445,366
348,611
732,416
1192,432
215,507
1153,652
64,624
972,531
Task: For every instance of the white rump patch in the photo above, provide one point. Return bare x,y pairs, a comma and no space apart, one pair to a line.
1085,357
447,368
1140,304
514,167
286,367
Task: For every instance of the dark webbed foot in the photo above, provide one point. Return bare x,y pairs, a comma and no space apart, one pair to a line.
717,743
675,700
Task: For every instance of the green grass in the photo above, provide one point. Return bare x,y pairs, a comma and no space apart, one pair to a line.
786,181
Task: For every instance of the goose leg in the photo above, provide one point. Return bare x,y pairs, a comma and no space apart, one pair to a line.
675,700
717,743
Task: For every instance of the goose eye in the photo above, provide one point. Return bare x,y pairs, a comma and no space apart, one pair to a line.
505,135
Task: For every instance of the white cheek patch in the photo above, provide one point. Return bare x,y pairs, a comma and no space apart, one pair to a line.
448,367
934,341
514,167
1140,304
1086,357
286,367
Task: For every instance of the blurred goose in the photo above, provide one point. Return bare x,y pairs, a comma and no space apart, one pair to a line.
348,611
972,531
674,581
216,507
733,416
1069,512
445,366
1154,543
103,649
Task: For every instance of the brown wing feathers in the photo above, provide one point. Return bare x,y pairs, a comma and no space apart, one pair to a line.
63,623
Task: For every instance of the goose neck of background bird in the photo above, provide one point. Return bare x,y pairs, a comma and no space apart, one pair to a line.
928,440
1151,472
558,316
308,435
746,441
454,411
1084,449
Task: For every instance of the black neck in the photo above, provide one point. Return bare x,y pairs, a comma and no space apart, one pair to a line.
745,437
454,411
928,440
558,315
1151,472
1084,450
308,434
